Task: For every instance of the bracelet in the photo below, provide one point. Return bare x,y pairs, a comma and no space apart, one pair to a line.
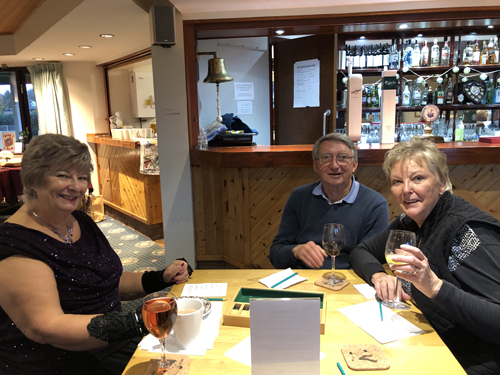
152,281
117,326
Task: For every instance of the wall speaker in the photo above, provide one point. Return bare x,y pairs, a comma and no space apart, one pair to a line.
162,25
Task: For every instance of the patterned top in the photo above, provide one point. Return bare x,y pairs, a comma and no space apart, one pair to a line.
87,274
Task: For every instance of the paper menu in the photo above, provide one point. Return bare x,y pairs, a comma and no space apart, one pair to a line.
275,278
394,327
366,290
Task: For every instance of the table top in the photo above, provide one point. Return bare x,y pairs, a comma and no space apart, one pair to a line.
421,354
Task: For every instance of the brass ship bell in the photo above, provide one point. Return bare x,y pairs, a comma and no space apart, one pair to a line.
217,72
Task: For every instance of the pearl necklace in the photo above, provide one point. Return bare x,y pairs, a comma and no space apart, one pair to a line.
68,239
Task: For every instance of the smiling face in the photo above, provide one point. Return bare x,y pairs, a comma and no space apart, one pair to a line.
415,188
332,174
62,192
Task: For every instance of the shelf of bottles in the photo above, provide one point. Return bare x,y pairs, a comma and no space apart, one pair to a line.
445,65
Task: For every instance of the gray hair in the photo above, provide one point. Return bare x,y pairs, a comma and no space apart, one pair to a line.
51,152
335,137
420,149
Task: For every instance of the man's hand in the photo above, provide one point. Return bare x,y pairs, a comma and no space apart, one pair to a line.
177,272
310,253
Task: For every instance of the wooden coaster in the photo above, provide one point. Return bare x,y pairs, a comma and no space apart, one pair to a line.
179,365
365,357
320,282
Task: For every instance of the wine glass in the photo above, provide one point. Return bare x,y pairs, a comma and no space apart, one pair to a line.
159,311
333,243
392,249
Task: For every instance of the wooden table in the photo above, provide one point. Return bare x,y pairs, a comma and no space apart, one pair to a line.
421,354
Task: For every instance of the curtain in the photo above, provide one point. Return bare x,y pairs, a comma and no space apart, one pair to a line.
50,98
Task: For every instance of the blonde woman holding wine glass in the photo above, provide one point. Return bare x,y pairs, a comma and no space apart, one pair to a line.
452,273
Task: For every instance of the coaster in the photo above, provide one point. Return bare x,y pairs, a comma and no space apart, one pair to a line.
179,365
365,357
319,282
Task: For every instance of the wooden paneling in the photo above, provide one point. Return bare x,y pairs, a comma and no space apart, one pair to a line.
15,13
238,210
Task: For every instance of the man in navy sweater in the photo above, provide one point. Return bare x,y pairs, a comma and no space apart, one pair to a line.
336,198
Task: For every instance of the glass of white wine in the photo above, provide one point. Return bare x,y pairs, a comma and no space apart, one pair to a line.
333,243
392,249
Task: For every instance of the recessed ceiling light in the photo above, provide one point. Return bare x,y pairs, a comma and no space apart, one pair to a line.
279,32
38,58
361,37
420,35
68,54
106,35
403,26
473,33
84,46
491,27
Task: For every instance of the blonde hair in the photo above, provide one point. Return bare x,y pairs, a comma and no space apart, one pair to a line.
420,149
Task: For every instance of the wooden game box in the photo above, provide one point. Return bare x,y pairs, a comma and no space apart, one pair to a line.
236,311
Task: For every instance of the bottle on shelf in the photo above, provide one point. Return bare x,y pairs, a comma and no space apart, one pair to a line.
490,92
496,52
416,55
369,58
423,98
467,58
406,95
385,56
202,139
362,58
398,89
439,95
364,97
449,92
355,63
484,53
435,54
455,56
496,99
417,95
476,54
368,96
376,96
491,52
459,130
430,96
394,57
424,55
460,98
378,61
407,57
445,55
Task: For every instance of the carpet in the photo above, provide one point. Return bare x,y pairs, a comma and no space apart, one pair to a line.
136,251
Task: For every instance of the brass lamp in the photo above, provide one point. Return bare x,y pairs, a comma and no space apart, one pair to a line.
217,73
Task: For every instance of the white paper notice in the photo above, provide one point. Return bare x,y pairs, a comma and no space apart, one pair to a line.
205,290
285,336
243,91
306,84
245,107
366,290
275,278
394,327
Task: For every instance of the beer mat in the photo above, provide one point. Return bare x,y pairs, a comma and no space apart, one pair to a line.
178,365
320,282
489,139
365,357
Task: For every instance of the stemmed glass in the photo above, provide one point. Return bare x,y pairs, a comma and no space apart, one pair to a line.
159,311
333,243
392,249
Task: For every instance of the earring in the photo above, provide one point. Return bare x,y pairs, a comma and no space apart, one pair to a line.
33,193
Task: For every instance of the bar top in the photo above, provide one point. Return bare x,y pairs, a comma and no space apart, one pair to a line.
300,155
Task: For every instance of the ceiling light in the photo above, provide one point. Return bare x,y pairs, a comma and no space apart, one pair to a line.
84,46
279,32
403,26
361,37
38,58
419,35
106,35
68,54
491,27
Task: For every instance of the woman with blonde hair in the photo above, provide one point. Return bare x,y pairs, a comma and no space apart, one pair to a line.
453,274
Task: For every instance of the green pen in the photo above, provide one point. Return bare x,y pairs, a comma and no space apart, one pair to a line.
216,299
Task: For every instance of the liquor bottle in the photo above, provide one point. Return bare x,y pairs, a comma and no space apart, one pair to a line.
378,61
455,56
490,92
362,58
439,95
445,55
364,97
394,57
423,98
460,98
459,130
467,59
430,96
491,52
407,57
416,55
424,55
411,92
385,56
496,99
369,58
449,92
417,95
484,53
496,52
406,95
476,54
355,64
435,54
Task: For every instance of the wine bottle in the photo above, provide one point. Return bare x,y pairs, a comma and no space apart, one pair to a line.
364,97
424,55
435,54
445,55
362,58
375,96
476,54
490,92
369,58
355,64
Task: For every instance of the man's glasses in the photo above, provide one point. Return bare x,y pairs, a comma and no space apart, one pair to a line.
341,159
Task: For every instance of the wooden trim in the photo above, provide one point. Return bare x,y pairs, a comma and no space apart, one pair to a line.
125,60
105,139
128,213
154,231
191,61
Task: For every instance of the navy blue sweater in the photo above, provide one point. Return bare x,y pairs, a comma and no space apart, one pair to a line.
305,215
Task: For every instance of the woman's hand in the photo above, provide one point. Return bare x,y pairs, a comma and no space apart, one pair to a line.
385,286
177,272
416,270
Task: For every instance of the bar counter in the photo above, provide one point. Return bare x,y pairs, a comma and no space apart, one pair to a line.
239,192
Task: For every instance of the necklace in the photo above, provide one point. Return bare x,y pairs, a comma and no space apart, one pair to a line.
68,239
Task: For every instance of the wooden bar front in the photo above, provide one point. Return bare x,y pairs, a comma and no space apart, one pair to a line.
239,192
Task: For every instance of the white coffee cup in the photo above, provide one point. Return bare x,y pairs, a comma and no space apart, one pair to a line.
116,133
188,323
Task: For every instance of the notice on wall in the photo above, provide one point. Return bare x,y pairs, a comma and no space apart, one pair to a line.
243,91
306,84
245,107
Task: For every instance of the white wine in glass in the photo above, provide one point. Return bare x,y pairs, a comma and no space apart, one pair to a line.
393,245
333,243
